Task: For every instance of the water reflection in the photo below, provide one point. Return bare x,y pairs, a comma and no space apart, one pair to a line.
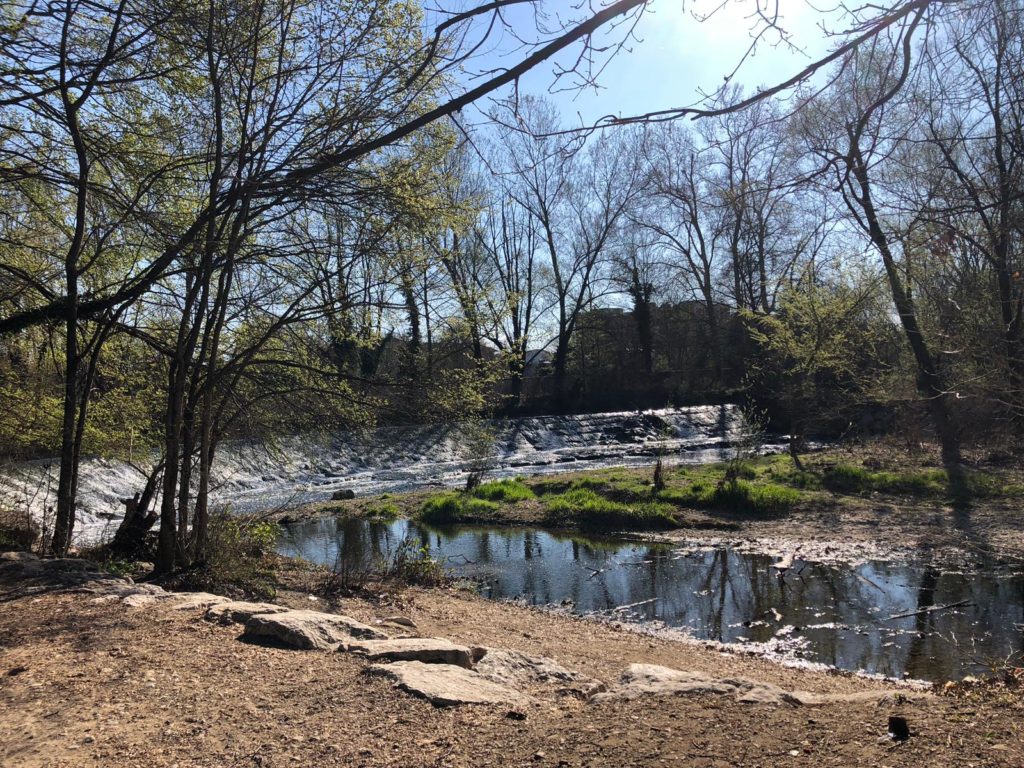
837,616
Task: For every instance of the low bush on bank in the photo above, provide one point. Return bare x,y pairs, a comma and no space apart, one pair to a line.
449,508
18,531
237,557
410,563
508,490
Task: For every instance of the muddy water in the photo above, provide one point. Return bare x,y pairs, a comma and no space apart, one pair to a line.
848,617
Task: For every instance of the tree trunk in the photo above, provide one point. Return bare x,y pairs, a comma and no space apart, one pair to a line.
930,382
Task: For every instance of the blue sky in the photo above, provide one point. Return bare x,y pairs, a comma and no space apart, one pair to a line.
676,55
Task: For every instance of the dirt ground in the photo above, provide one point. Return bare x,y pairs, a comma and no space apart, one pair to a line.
99,684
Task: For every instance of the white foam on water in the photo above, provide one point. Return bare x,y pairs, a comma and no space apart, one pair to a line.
301,469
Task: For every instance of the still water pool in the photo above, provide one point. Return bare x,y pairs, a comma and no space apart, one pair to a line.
851,617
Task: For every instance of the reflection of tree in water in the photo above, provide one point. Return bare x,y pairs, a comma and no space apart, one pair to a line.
918,652
714,591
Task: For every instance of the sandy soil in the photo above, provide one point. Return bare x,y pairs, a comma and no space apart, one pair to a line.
98,684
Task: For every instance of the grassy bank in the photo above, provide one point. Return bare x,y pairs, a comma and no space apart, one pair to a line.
714,495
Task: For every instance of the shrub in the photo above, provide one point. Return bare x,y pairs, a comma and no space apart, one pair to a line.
508,490
658,480
18,531
412,563
236,557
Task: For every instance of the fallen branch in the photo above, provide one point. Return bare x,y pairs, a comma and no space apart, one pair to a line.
930,609
634,605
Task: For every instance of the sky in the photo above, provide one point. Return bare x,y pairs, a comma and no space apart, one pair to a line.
676,55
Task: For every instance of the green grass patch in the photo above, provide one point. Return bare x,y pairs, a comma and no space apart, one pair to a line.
845,478
449,508
383,510
742,496
589,510
508,490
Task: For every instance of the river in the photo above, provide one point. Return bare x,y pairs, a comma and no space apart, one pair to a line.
884,618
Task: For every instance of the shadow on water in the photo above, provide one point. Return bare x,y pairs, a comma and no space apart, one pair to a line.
879,617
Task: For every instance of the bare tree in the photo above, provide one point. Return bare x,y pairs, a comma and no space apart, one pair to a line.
854,132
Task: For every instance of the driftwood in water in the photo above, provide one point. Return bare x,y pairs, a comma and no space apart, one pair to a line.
930,609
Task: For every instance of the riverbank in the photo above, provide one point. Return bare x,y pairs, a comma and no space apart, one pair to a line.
91,680
841,506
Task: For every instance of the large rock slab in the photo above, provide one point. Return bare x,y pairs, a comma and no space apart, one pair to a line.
145,599
428,650
18,556
446,685
197,601
309,630
523,671
240,611
643,680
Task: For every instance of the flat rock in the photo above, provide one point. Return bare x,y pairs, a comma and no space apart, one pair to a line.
143,599
428,650
240,611
18,556
125,588
521,670
446,685
641,680
309,630
197,601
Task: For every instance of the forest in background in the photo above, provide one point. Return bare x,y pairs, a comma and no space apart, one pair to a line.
242,219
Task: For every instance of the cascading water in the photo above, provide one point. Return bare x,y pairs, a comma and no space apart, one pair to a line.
302,469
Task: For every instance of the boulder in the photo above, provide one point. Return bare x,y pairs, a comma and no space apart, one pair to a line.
196,601
641,680
240,611
126,589
309,630
424,649
521,670
343,495
144,599
18,556
446,685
